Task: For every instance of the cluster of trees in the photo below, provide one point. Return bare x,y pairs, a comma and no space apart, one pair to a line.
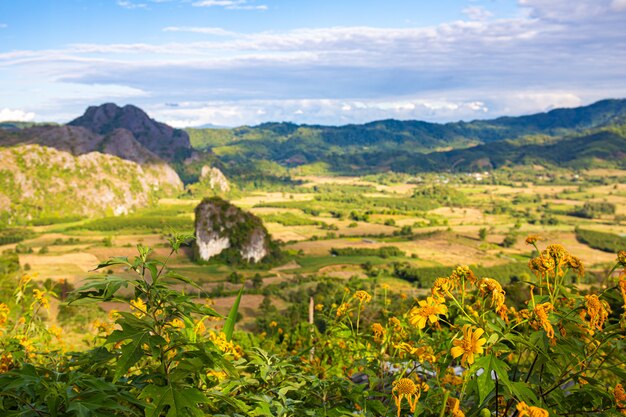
594,210
383,252
604,241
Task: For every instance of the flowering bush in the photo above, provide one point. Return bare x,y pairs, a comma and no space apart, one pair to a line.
463,350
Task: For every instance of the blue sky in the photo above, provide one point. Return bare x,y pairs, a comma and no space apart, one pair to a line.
235,62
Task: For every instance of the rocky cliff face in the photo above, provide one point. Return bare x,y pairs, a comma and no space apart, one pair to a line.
215,178
38,181
163,140
221,226
111,160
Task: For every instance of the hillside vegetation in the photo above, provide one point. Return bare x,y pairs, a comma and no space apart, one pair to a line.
38,182
588,134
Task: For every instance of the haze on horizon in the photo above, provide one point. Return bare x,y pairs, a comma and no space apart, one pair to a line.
236,62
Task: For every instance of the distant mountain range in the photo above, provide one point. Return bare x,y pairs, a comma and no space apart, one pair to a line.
421,146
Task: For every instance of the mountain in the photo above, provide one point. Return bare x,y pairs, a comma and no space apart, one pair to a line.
166,142
109,161
604,148
39,182
394,144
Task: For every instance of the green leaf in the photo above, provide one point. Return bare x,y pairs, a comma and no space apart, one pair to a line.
99,288
229,325
131,353
178,277
152,267
118,260
182,402
484,382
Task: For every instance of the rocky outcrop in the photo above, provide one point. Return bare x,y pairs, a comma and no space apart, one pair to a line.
79,141
40,181
112,160
222,226
215,179
163,140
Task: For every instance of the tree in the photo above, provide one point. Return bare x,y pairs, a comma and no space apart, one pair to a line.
257,281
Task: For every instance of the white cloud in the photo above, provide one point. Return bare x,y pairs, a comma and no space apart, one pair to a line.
567,10
204,30
312,111
477,13
230,4
130,5
3,26
15,115
464,69
619,5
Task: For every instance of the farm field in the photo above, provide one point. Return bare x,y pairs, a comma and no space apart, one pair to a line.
333,213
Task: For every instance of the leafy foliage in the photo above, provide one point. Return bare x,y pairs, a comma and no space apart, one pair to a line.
383,252
461,350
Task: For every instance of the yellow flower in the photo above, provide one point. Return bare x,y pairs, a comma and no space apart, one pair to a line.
452,378
463,273
273,324
576,264
428,310
453,406
102,326
139,306
468,346
227,347
319,307
542,310
199,328
421,353
26,343
113,315
598,311
363,296
620,398
526,411
406,388
219,375
532,239
379,332
177,323
557,251
4,314
441,286
342,309
490,285
621,258
56,331
6,362
24,280
40,297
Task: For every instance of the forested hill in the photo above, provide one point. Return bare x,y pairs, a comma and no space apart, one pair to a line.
401,145
427,136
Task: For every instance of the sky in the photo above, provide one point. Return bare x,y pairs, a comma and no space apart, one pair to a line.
332,62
